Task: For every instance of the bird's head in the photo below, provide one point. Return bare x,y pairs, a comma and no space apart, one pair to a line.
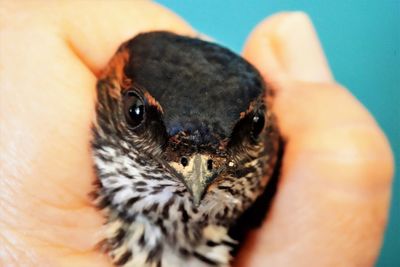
193,115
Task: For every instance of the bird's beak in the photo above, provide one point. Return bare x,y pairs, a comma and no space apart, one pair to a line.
197,175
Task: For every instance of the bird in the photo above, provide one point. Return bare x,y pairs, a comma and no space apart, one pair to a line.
184,142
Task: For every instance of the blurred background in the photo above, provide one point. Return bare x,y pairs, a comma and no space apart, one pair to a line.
362,42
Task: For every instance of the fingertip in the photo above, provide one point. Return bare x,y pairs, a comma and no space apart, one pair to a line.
261,50
94,32
286,46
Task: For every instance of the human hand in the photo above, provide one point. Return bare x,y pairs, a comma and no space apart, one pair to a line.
332,201
46,217
50,55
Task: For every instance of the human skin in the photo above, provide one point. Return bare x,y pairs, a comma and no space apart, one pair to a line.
332,200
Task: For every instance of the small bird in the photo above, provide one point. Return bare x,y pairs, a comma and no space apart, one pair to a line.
183,143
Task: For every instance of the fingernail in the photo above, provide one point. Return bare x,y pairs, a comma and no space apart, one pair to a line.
300,51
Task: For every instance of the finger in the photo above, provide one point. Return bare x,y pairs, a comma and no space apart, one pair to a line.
295,52
97,40
264,47
297,100
94,32
332,199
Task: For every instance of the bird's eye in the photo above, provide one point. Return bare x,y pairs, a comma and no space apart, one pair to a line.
258,125
134,109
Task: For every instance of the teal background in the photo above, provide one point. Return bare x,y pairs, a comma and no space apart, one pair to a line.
362,43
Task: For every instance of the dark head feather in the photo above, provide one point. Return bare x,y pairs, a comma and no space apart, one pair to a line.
203,88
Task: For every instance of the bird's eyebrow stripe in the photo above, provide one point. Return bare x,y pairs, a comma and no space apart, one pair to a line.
254,105
153,102
115,68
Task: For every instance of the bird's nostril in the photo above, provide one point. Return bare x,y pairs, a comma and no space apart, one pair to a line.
184,161
209,165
